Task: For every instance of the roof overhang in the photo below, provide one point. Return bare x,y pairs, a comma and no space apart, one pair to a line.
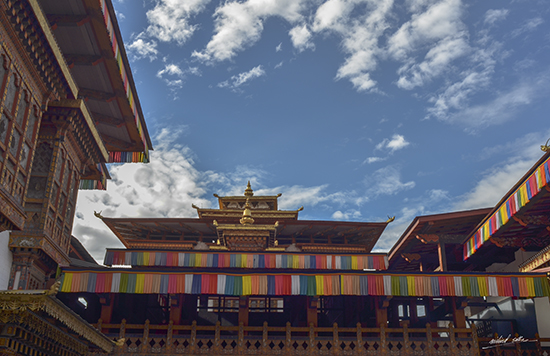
516,217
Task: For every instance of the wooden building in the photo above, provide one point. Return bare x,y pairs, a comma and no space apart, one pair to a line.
68,106
247,278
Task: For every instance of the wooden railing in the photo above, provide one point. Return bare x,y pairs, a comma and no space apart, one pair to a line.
146,339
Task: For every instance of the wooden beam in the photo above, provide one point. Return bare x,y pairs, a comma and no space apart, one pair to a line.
381,306
312,305
98,95
83,59
108,120
67,20
442,257
243,310
114,144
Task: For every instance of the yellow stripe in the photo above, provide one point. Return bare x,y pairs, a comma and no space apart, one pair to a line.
410,285
67,282
140,283
247,285
354,262
320,285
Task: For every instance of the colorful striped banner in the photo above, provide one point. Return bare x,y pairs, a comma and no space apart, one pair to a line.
517,200
432,285
128,89
245,260
128,157
89,184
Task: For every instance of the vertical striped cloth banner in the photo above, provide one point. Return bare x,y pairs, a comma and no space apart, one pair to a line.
88,184
433,285
517,200
128,157
101,184
140,156
245,260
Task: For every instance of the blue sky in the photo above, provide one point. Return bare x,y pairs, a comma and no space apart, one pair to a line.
355,109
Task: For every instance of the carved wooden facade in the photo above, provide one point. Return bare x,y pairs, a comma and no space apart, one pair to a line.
53,132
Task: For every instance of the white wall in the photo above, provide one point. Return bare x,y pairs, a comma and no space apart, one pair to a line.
542,309
5,260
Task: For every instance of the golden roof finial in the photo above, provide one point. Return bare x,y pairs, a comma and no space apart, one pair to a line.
545,148
248,192
247,214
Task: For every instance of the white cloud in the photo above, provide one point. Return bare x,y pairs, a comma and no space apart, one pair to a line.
528,26
387,181
165,187
142,48
439,21
174,76
348,215
436,28
170,69
237,80
436,61
492,16
240,24
279,47
370,160
359,36
396,143
452,105
278,65
301,36
169,19
497,180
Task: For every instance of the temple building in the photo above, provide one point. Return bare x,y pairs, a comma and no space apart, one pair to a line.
246,277
68,107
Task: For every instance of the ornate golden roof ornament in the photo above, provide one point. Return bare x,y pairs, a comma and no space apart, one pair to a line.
390,219
545,147
248,192
54,288
247,214
98,215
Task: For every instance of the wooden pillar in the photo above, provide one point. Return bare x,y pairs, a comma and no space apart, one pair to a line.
413,312
312,304
442,256
381,306
107,302
459,318
176,302
243,310
429,312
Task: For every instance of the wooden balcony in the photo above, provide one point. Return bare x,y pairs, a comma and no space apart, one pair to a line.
146,339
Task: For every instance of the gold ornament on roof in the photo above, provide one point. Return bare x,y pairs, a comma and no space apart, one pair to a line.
248,192
98,215
390,219
545,147
247,213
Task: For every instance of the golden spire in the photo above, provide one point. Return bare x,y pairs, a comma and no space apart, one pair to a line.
248,192
247,214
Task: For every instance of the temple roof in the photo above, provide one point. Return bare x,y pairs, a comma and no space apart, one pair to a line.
419,241
89,38
41,311
519,220
184,233
246,222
